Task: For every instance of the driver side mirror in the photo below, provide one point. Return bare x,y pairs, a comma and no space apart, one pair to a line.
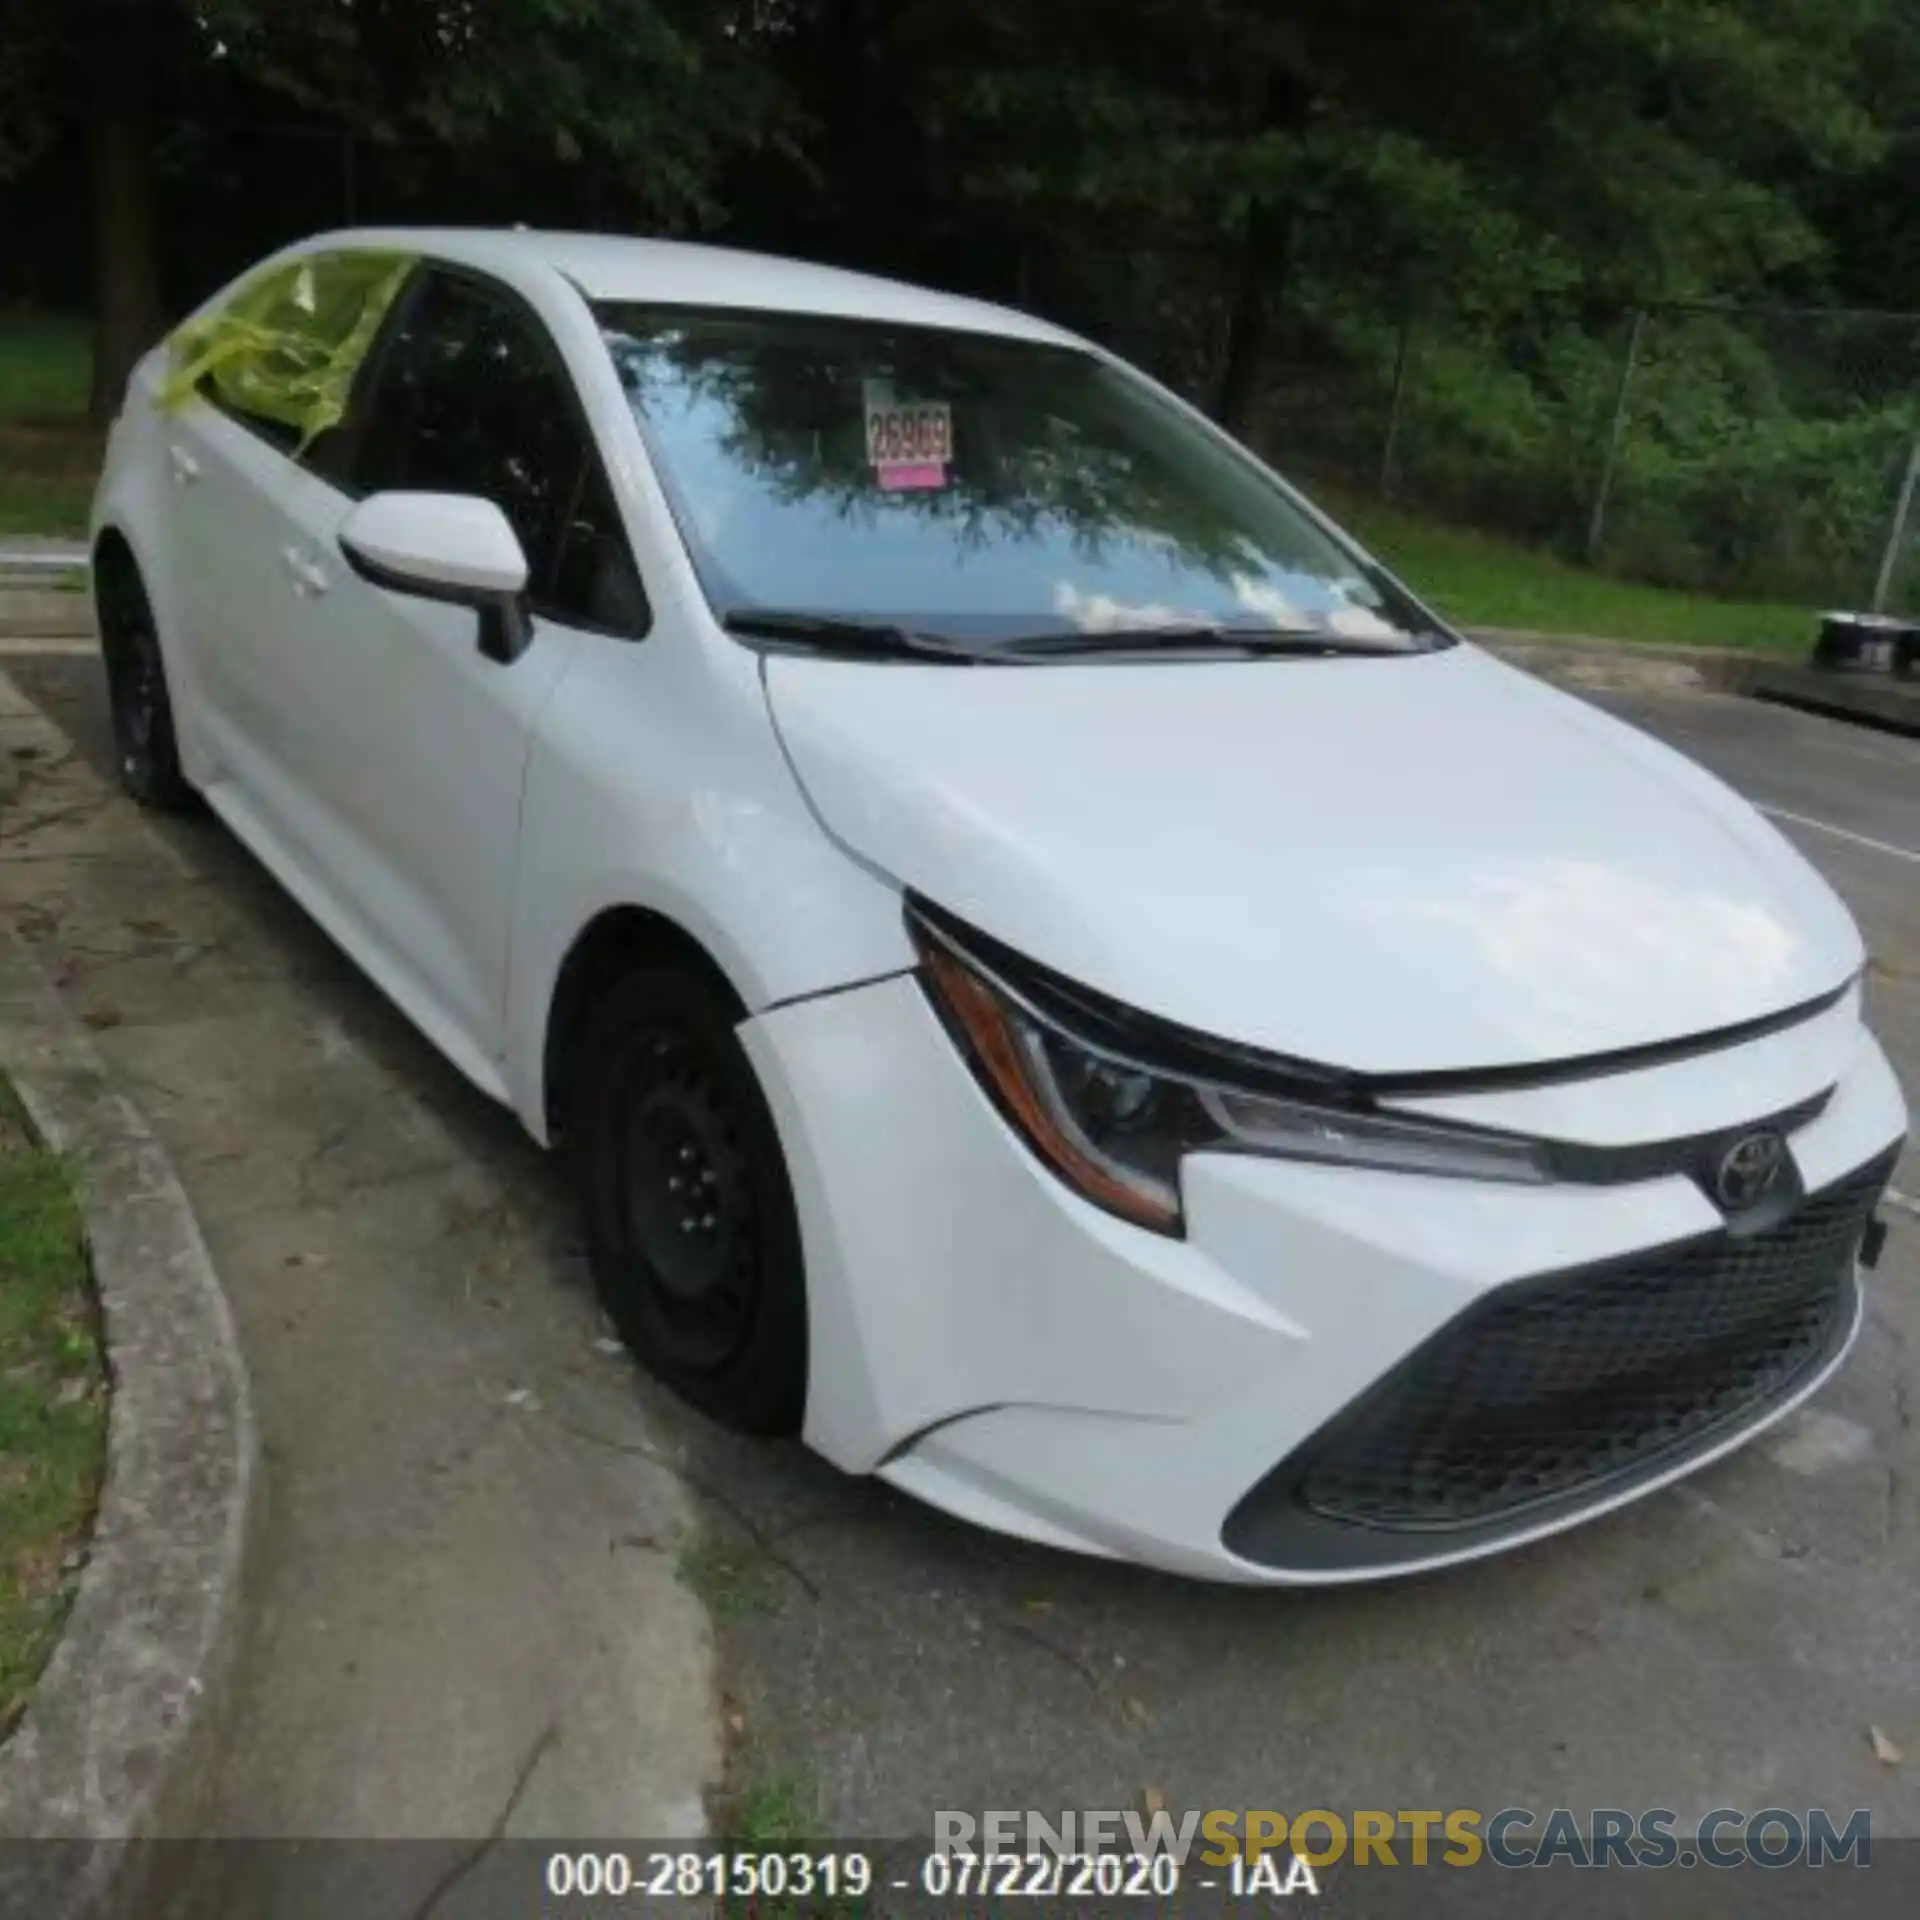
453,547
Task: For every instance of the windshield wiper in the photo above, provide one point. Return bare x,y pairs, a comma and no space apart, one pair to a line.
885,639
1302,642
870,639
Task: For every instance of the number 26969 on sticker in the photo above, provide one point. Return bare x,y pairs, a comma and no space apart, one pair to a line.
909,432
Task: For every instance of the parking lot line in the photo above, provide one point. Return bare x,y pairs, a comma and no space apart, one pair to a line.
1839,833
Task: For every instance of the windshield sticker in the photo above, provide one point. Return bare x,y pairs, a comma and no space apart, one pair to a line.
909,442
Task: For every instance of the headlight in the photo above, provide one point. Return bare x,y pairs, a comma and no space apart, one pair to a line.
1115,1126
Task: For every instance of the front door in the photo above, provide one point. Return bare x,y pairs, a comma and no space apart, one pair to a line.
419,742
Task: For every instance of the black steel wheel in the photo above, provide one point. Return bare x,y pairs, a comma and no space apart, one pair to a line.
689,1214
145,748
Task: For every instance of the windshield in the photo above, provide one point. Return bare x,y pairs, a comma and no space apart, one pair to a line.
971,487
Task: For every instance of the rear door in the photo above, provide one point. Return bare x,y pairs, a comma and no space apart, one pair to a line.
237,601
269,372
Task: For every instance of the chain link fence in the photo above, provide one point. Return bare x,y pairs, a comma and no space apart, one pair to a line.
1756,453
1765,452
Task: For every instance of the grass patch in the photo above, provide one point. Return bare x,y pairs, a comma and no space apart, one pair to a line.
779,1813
1482,580
46,366
53,1404
731,1582
46,482
49,456
776,1810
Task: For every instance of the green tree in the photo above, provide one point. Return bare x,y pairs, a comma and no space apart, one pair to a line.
1186,173
106,55
1485,152
1872,221
661,93
658,94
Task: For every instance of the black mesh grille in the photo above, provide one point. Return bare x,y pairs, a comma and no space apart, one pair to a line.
1552,1385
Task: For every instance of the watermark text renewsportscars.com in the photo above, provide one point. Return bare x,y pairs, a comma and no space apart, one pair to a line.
1457,1837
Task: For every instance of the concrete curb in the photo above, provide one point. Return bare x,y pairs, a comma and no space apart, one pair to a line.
25,560
1865,699
1581,660
117,1742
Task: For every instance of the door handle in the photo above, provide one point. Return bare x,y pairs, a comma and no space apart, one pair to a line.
308,575
186,469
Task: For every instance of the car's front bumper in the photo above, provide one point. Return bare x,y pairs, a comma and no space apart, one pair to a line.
987,1340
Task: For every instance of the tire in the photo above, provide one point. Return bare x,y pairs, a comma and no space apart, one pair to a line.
689,1213
146,749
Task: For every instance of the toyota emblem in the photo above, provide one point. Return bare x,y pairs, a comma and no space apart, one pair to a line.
1748,1170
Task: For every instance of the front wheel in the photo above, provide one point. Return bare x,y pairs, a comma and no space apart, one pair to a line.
689,1214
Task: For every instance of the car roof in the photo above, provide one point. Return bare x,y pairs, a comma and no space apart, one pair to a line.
616,267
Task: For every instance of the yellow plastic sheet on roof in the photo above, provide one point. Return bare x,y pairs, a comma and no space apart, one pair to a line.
287,345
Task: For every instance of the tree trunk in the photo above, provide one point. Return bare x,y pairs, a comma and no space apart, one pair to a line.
126,267
847,94
1280,98
1259,276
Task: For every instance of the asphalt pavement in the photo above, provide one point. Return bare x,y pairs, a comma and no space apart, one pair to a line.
1736,1641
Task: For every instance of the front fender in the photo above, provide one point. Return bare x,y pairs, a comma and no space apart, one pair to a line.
656,782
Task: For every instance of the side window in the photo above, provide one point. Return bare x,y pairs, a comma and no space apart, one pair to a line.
470,399
596,578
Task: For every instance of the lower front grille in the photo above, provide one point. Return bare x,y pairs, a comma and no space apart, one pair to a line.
1552,1389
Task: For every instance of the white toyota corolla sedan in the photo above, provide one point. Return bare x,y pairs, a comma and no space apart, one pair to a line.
1062,982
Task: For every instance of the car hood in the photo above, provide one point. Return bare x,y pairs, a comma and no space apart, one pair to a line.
1392,865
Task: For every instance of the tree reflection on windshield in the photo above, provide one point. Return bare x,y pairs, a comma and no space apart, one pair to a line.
1074,497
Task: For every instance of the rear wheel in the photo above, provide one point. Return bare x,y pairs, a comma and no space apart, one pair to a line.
145,747
689,1213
